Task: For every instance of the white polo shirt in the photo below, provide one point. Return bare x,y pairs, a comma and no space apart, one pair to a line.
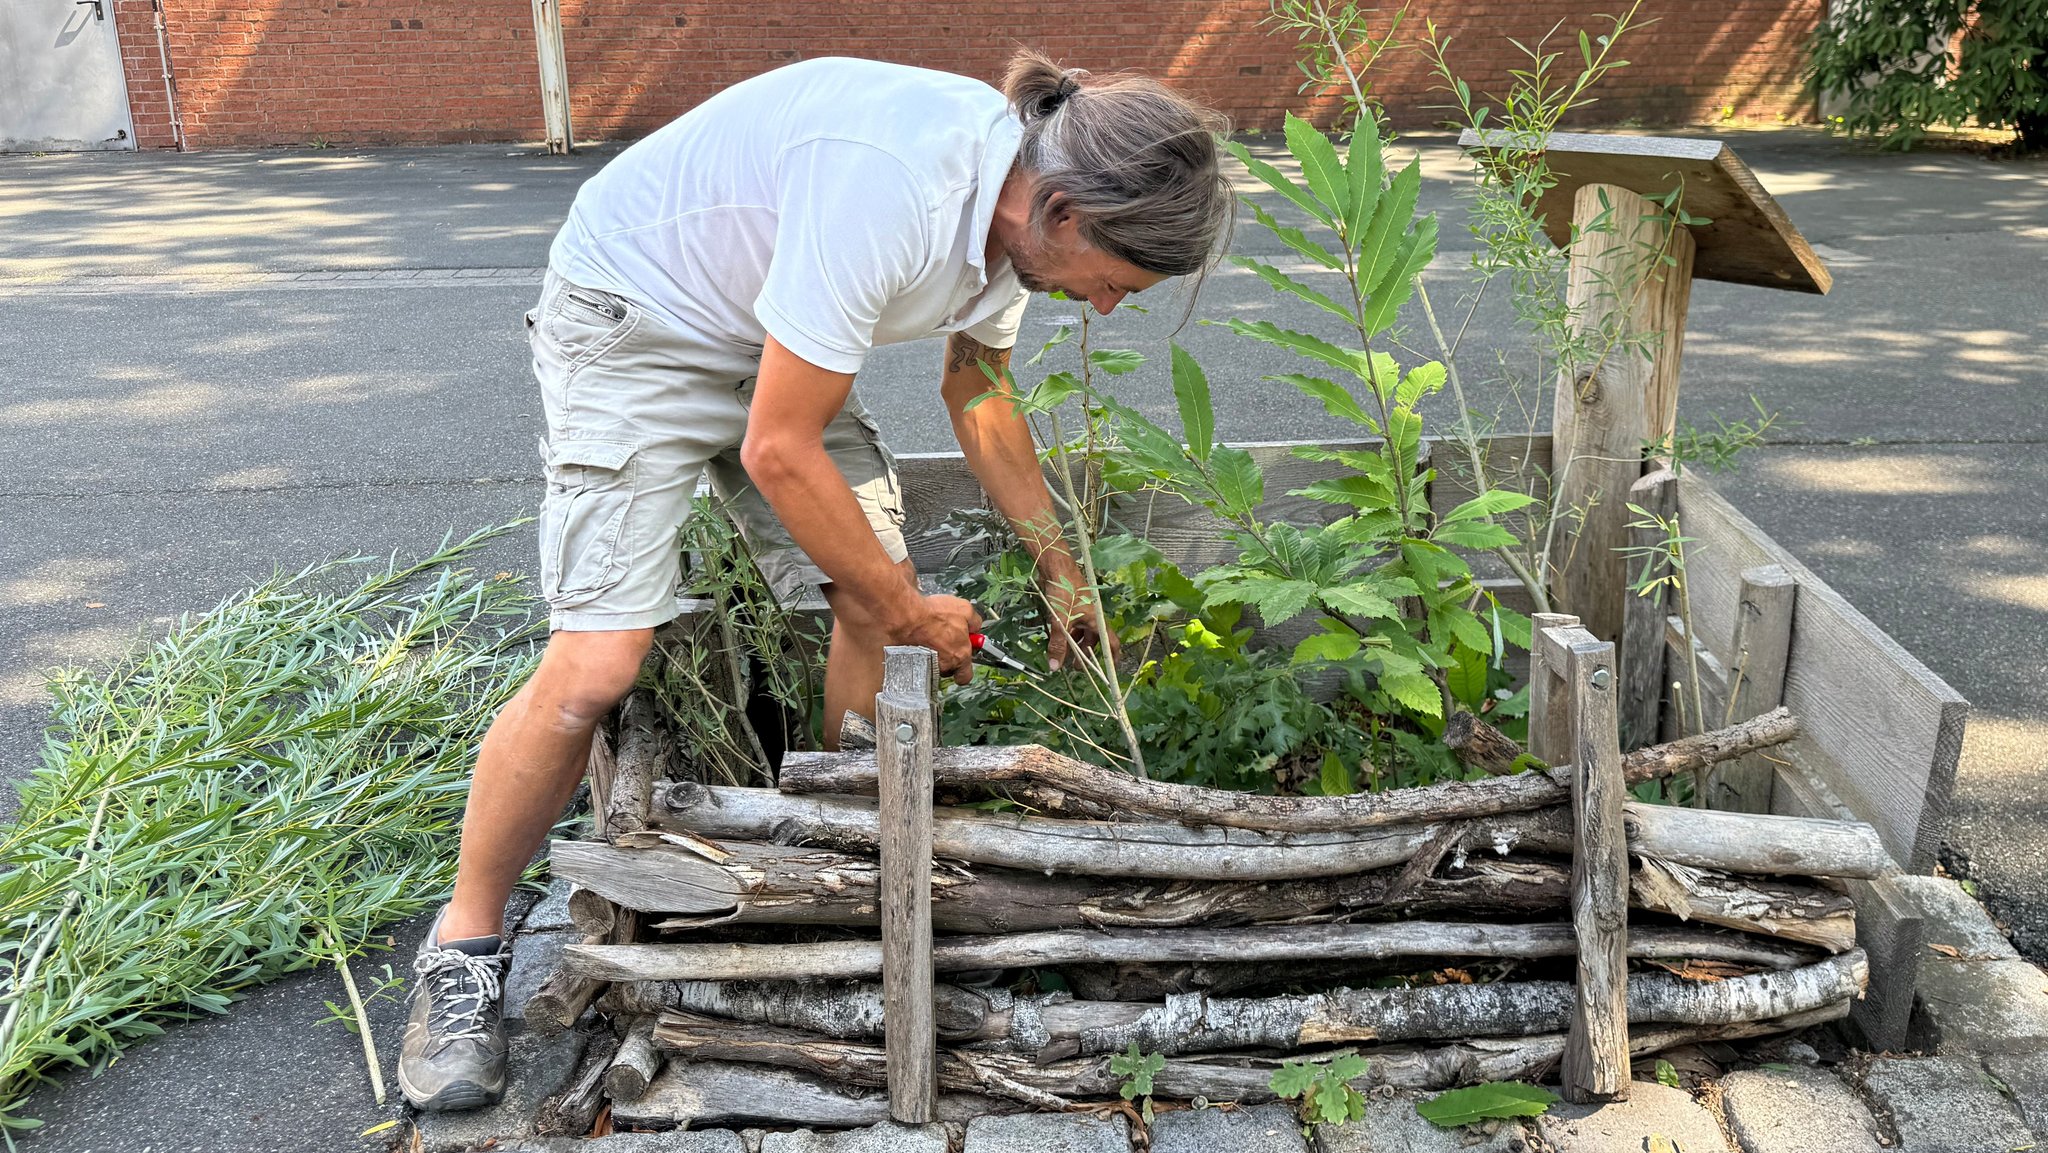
837,204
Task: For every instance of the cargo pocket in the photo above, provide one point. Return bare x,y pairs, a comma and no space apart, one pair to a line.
584,323
583,518
887,490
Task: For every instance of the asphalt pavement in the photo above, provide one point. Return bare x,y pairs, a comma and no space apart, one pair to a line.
218,365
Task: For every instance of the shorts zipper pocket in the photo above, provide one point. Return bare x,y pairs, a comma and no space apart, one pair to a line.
598,304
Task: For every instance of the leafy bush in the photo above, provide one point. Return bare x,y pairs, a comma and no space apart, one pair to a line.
1906,66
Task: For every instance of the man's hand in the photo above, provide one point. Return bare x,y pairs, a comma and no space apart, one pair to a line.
943,625
1070,614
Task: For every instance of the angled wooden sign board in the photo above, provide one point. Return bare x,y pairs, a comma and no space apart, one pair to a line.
1608,411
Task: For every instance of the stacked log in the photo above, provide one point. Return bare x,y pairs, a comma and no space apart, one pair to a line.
732,930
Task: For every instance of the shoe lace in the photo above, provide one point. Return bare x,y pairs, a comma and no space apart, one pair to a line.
461,989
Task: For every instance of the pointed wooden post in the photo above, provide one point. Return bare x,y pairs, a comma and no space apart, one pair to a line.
1757,663
906,730
1642,619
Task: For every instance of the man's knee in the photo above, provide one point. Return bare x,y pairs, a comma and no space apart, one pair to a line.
582,675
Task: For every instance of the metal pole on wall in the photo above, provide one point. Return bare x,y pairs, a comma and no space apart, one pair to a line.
554,75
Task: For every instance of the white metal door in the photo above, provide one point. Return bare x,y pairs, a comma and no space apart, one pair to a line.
61,87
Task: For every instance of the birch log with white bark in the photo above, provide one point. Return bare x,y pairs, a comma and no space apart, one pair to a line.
975,765
1803,913
841,960
1194,1023
702,1094
1799,846
635,1064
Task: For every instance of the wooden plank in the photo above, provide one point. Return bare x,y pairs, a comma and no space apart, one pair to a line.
554,76
1747,239
1596,1056
1607,411
1892,730
906,717
1642,650
1549,716
1763,636
1889,925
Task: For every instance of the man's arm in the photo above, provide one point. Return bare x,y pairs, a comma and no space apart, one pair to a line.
784,454
998,445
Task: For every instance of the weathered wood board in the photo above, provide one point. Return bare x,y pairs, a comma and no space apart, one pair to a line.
1890,731
1747,239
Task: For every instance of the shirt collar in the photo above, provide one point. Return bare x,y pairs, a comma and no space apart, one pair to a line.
997,156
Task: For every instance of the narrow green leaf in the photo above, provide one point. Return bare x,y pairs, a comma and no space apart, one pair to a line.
1391,219
1294,238
1197,415
1336,780
1319,163
1279,182
1337,400
1288,284
1366,174
1421,381
1492,502
1362,492
1239,482
1466,677
1484,1102
1404,437
1115,361
1475,535
1393,289
1312,347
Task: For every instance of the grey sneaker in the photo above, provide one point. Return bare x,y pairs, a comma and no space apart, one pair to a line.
454,1052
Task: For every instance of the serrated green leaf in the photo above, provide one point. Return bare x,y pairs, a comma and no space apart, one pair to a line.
1360,601
1465,626
1421,381
1337,780
1404,436
1300,343
1466,677
1292,1079
1358,491
1484,1102
1493,502
1278,182
1337,400
1239,482
1191,393
1476,535
1319,163
1366,175
1293,287
1391,218
1414,691
1059,337
1392,289
1279,601
1051,392
1335,643
1294,238
1346,1067
1150,447
1115,361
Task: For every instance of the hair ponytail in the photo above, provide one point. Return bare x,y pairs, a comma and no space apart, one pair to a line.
1134,162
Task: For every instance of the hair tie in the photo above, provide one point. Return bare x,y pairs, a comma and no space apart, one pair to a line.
1066,88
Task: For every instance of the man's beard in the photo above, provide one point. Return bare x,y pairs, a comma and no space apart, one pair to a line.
1030,274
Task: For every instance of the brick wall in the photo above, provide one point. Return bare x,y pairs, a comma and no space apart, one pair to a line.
254,72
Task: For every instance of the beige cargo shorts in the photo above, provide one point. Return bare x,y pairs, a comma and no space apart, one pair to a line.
633,422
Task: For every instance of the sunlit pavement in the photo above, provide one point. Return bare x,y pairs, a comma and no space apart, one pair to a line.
218,365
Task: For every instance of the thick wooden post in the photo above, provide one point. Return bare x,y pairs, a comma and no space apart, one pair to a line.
906,732
1642,618
554,75
1549,698
1763,642
1631,277
1596,1061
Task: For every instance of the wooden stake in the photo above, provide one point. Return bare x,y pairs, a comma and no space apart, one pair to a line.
1626,302
1549,715
1596,1060
1763,642
906,729
1642,618
554,75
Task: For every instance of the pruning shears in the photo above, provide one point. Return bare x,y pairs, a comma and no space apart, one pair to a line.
988,652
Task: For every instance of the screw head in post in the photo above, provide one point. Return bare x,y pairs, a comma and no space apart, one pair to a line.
906,733
1602,678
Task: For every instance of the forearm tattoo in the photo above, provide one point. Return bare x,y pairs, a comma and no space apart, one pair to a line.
963,353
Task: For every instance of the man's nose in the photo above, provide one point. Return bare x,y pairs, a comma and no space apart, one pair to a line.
1106,302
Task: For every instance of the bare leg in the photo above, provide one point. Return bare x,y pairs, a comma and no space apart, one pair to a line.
853,664
532,758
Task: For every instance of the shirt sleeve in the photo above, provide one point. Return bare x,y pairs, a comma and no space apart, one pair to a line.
852,232
999,330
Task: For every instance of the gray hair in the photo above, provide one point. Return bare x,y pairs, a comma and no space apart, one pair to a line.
1132,160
